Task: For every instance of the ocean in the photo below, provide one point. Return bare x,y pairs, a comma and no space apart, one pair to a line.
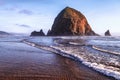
97,52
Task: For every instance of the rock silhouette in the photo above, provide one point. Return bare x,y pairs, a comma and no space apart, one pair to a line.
35,33
71,22
49,32
107,33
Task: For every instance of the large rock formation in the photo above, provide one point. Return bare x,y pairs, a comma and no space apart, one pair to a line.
71,22
35,33
107,33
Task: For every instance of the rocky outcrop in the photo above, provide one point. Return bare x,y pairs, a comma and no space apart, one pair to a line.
71,22
107,33
35,33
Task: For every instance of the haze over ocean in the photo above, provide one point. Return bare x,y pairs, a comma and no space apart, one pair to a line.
19,16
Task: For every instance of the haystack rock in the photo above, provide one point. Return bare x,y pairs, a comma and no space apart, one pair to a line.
107,33
71,22
35,33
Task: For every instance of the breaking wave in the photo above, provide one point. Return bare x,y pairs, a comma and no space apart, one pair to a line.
98,64
105,50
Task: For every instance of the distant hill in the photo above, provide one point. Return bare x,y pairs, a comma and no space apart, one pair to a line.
4,33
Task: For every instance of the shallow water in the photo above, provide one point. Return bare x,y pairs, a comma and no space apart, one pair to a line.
100,53
111,61
19,61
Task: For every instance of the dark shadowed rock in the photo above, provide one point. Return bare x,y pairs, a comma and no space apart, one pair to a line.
71,22
107,33
35,33
49,32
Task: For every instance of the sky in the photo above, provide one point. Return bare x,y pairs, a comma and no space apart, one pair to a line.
25,16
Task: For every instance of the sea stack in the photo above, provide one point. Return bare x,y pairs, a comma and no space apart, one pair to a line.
35,33
70,22
107,33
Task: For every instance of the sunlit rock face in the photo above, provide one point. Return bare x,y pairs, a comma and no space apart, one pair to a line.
71,22
107,33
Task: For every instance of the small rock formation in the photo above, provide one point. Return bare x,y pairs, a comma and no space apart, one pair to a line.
35,33
107,33
71,22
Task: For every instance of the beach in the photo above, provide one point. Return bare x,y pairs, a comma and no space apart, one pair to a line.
19,61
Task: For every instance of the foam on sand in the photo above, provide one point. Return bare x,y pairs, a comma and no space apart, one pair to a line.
97,61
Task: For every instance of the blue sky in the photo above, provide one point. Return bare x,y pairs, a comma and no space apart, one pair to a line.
24,16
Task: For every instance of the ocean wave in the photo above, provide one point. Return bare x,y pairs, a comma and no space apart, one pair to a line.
85,59
105,50
107,70
104,42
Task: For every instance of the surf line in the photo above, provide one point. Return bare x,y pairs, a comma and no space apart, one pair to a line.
68,55
106,51
51,49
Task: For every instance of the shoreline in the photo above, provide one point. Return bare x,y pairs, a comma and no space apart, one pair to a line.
65,54
22,61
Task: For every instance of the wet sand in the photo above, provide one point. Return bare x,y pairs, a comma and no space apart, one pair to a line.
19,61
